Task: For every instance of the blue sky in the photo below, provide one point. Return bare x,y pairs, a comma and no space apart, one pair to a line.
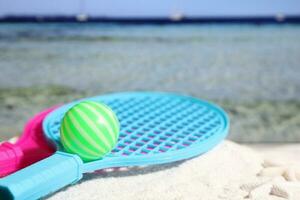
150,8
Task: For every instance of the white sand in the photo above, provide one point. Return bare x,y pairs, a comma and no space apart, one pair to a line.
227,172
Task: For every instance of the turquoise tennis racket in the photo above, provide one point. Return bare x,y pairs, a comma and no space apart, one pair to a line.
156,128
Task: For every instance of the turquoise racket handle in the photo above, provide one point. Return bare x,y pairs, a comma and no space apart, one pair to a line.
42,178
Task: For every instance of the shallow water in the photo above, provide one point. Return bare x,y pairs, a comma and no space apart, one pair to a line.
213,61
236,63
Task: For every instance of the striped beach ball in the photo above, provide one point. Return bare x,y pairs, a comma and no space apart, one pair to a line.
90,130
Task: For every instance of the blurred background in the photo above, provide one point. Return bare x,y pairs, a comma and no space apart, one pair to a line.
243,55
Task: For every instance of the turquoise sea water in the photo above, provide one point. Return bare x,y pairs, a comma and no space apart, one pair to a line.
233,63
216,61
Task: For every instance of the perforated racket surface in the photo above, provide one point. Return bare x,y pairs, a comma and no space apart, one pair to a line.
156,128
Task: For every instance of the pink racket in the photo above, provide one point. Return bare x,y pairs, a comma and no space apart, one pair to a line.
31,147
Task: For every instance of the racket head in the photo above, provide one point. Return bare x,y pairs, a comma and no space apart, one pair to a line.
155,128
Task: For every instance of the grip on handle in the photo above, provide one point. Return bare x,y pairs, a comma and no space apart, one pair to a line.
10,156
42,178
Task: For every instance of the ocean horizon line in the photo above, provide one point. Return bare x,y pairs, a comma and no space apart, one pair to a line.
279,19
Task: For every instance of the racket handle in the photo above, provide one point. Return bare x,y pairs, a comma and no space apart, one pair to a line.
10,157
42,178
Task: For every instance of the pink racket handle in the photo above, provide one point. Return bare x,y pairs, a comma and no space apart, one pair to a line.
30,148
10,156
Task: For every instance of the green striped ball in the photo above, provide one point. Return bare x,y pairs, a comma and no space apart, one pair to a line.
90,130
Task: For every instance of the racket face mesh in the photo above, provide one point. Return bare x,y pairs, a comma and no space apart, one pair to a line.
154,123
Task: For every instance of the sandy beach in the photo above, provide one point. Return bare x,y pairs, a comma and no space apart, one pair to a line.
227,172
230,171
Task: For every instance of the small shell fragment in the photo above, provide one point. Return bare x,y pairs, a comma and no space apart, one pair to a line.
272,171
271,163
260,192
248,187
290,175
280,191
